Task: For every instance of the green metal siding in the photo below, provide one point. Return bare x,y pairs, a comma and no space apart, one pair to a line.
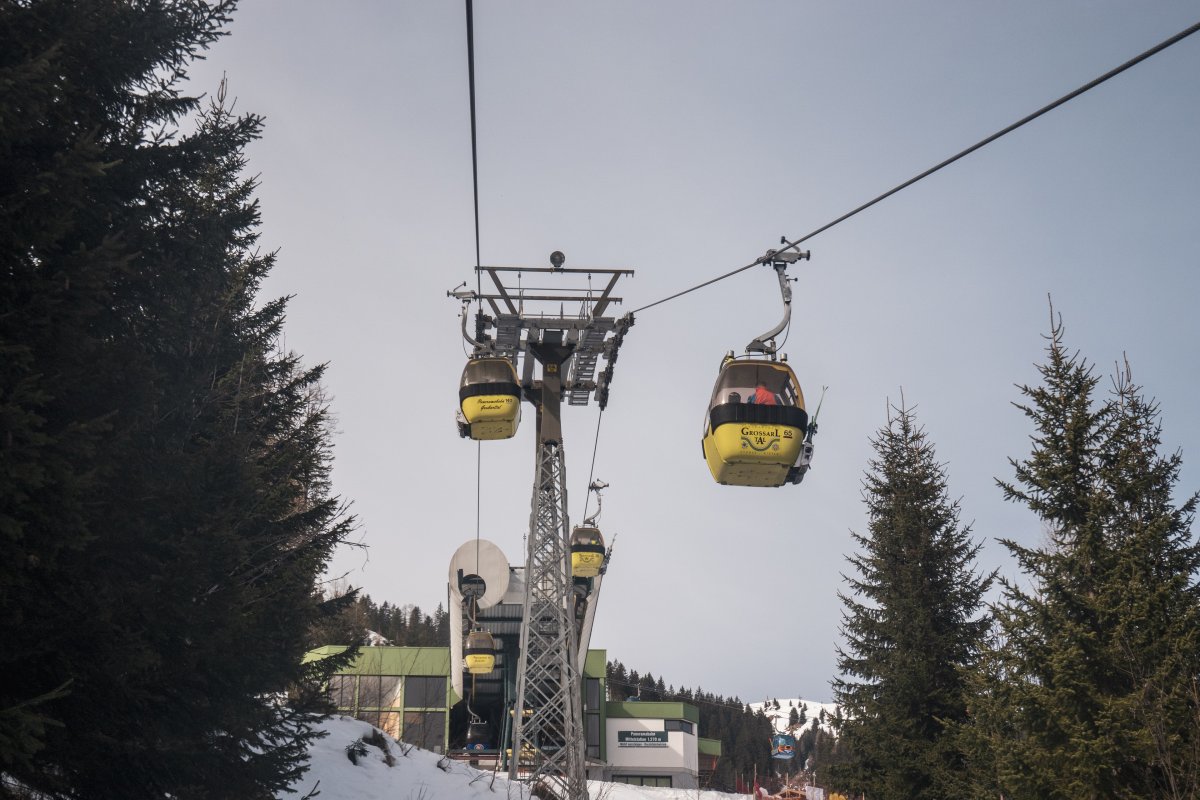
653,709
708,747
391,660
595,665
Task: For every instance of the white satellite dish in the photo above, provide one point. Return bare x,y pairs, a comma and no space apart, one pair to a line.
479,569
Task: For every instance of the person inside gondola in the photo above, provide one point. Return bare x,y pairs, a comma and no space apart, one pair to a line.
762,395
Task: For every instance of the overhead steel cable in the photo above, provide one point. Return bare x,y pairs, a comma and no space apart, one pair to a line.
478,261
587,494
1024,120
478,502
474,135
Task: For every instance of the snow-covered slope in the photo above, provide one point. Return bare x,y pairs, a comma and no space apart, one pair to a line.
415,775
812,710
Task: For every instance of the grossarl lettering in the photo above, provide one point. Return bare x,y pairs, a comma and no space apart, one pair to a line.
747,431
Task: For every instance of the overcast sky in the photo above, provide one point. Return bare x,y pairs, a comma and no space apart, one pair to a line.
681,140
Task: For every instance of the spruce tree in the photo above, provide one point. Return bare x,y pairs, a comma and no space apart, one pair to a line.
618,681
164,468
1089,691
911,624
1153,601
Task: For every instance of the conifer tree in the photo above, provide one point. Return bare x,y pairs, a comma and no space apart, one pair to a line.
618,679
1090,689
911,623
1153,601
164,468
335,625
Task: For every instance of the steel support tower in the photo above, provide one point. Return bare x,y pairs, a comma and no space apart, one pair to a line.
548,680
548,737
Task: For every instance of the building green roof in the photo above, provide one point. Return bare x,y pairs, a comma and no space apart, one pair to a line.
433,661
652,709
708,747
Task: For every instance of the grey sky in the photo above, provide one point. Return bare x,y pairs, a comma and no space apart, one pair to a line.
682,139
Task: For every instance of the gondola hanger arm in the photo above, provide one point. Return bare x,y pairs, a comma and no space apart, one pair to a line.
467,295
779,261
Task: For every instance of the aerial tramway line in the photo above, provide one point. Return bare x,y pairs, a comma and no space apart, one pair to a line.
526,351
757,432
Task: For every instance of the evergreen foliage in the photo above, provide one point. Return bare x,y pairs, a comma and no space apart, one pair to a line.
401,625
164,470
819,750
1090,689
911,625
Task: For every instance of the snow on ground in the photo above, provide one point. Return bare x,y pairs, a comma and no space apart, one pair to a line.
416,775
779,717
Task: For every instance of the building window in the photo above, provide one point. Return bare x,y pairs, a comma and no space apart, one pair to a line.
423,726
425,729
341,691
376,700
644,780
389,723
389,691
424,692
592,734
379,702
678,725
591,717
369,691
591,697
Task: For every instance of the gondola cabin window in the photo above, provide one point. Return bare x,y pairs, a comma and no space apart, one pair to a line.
739,383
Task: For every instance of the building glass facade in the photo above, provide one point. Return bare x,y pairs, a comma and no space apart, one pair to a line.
403,691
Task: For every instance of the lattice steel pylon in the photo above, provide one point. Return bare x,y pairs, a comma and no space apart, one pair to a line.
550,740
548,746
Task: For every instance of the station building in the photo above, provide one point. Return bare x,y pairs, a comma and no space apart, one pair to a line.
409,693
426,695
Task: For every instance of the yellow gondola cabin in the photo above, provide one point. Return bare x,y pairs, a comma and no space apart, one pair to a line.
587,552
479,655
489,397
755,426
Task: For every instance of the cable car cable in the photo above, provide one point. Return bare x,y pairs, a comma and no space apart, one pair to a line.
474,136
478,494
587,495
470,12
1043,110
